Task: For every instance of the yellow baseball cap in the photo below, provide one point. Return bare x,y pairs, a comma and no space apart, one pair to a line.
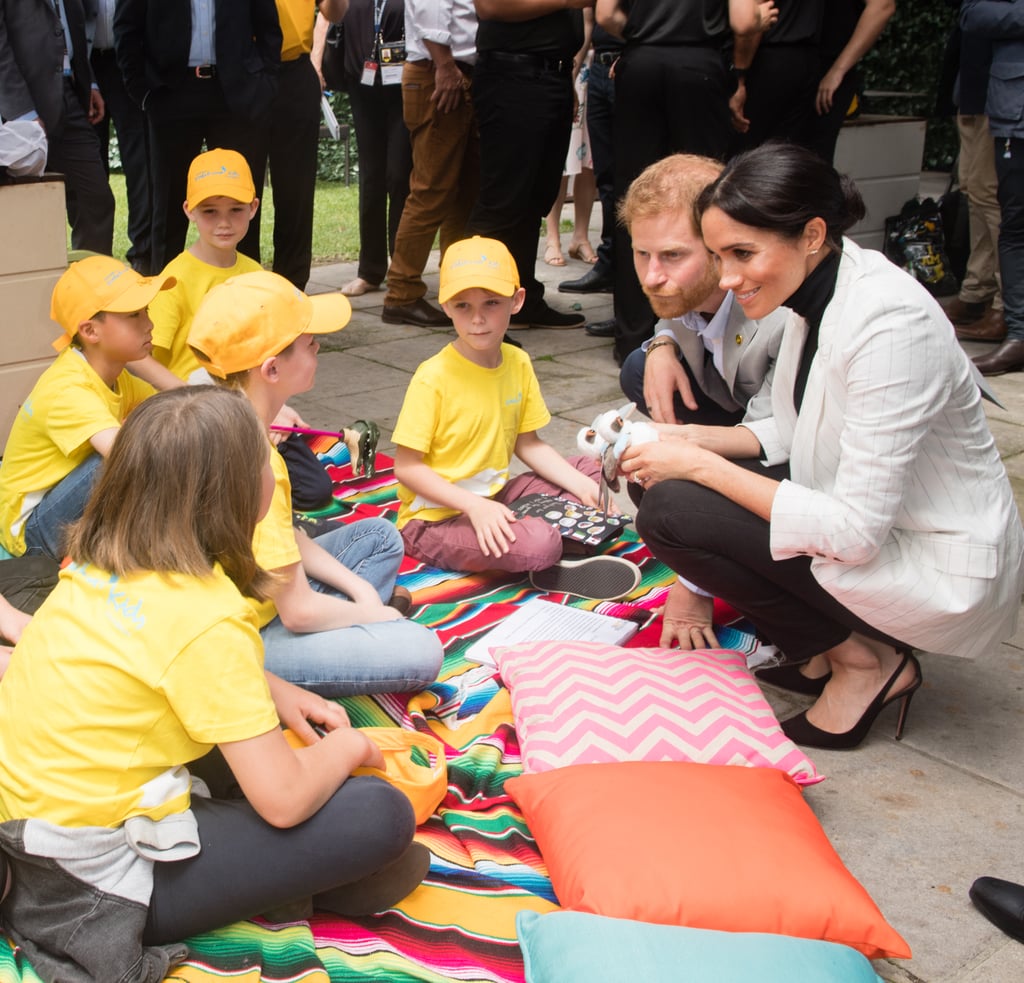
477,262
219,172
249,318
100,283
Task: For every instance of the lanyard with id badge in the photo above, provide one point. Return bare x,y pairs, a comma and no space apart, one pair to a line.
387,57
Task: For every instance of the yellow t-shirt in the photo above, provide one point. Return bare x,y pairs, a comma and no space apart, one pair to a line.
171,311
297,18
465,419
68,405
273,543
115,684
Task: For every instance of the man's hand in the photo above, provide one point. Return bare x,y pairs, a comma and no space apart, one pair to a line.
664,376
449,86
97,107
831,81
493,523
737,104
687,620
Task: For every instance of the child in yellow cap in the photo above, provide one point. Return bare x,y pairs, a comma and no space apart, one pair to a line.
468,410
69,421
327,624
220,202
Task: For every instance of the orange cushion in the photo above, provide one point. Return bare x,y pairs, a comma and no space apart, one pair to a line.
708,846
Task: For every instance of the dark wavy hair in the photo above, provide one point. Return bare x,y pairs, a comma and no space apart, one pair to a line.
780,187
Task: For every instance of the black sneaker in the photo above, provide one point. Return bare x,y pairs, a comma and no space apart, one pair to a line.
543,316
598,578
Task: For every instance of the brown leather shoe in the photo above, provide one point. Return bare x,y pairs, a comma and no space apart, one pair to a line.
965,312
419,312
991,326
1008,357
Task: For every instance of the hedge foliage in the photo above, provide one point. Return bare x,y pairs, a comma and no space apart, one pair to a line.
908,58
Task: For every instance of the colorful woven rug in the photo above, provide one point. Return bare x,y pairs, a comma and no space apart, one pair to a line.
460,924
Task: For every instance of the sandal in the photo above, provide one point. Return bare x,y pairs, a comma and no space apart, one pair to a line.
553,255
583,251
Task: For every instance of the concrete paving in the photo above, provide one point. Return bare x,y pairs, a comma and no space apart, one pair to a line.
915,821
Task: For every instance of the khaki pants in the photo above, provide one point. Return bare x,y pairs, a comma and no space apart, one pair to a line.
443,183
978,182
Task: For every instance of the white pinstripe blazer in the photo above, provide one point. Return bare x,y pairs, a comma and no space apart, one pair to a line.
897,490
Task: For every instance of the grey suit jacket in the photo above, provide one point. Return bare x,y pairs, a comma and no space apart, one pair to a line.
749,351
32,58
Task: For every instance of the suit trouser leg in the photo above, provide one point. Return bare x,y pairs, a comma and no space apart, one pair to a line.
708,412
75,153
724,549
1010,170
600,106
442,182
978,181
667,100
522,154
293,137
375,111
130,124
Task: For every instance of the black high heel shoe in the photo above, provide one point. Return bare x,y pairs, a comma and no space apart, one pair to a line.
788,676
801,731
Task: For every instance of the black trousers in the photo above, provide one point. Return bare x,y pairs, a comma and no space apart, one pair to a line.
723,548
601,130
74,151
781,88
824,130
130,124
525,116
1010,173
246,866
180,120
291,135
385,160
667,100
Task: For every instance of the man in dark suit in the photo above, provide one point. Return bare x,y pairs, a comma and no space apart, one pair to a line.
211,80
45,76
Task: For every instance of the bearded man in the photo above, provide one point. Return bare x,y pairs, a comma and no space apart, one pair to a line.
706,361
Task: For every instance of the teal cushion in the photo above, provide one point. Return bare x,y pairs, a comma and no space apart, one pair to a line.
573,947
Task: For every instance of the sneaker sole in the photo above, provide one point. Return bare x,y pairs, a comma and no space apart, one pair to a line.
597,578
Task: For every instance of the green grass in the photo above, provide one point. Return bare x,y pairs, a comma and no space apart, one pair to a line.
335,222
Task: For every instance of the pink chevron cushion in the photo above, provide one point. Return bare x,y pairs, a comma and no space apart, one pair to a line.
588,703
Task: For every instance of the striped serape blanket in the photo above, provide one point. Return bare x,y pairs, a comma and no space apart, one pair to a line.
460,924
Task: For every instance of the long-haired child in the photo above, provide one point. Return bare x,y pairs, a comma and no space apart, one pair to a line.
144,658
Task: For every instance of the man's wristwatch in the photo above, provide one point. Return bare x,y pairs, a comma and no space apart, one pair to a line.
739,74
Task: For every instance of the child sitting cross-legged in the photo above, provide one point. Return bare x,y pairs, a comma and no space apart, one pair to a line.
326,623
68,422
145,658
468,410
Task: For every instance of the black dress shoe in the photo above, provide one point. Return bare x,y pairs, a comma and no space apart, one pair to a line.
1002,903
419,312
543,316
601,329
1008,357
592,282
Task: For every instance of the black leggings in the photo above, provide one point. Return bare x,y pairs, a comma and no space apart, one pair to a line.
725,549
246,866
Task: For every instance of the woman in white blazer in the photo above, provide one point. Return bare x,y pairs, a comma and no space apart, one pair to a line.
896,526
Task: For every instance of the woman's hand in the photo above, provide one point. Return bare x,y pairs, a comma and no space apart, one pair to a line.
661,460
687,620
831,81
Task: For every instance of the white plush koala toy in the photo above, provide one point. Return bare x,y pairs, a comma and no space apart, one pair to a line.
606,440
